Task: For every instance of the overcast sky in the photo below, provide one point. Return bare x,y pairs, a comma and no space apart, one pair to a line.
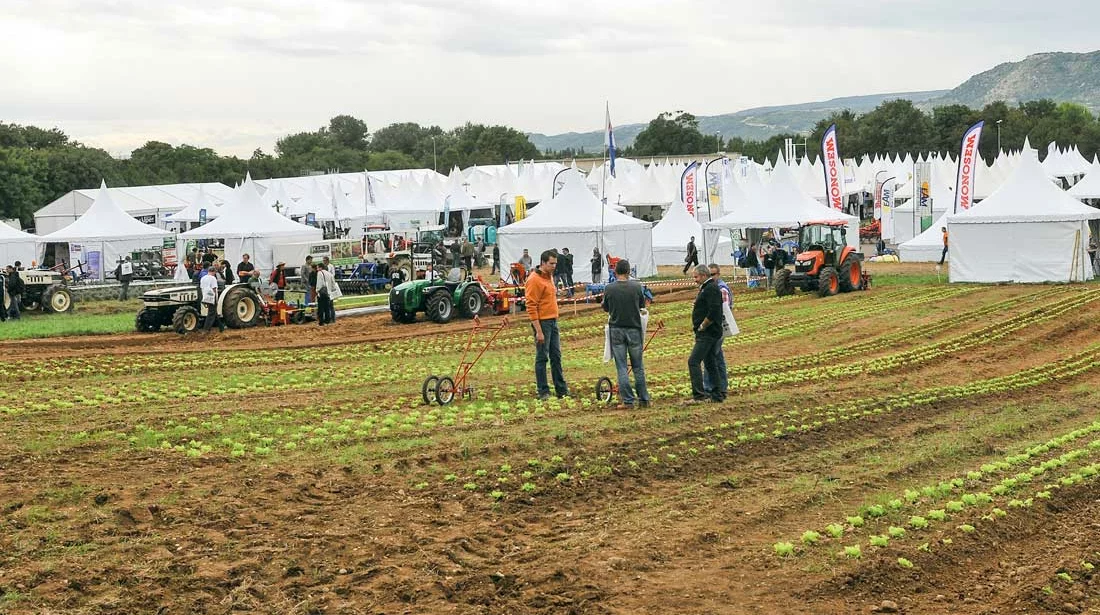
235,75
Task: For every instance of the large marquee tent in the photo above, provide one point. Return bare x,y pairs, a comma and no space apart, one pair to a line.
573,219
1029,230
15,245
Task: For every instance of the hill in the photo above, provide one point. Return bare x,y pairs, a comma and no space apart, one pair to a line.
756,123
1061,77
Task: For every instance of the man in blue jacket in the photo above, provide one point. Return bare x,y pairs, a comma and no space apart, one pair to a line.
706,322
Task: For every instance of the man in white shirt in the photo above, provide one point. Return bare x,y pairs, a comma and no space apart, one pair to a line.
327,292
208,287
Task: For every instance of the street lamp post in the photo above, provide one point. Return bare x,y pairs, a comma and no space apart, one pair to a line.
999,137
435,161
718,136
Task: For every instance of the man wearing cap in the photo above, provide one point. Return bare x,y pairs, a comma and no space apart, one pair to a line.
278,280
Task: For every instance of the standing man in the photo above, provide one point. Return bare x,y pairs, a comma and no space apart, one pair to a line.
565,265
496,259
468,255
542,308
716,383
623,302
246,271
124,273
692,258
15,291
706,322
306,272
525,260
321,290
597,265
944,255
4,294
208,286
278,280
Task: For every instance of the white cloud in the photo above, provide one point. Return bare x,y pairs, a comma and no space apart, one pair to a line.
236,74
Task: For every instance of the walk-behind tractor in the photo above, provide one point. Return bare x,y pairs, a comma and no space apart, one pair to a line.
179,307
443,389
606,388
825,262
44,288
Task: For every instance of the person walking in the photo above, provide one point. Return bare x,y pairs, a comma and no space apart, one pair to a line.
716,383
944,255
15,288
124,273
597,265
692,258
542,309
706,323
496,259
623,302
305,272
208,288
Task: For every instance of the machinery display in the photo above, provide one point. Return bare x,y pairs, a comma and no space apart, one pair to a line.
437,298
180,307
45,289
443,389
825,263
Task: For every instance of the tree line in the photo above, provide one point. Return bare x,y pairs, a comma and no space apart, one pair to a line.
38,165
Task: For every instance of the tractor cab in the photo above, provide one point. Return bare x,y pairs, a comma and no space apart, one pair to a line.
825,262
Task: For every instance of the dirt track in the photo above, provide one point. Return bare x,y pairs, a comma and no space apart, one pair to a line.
98,522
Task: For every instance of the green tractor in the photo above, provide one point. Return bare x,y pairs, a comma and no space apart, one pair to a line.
437,298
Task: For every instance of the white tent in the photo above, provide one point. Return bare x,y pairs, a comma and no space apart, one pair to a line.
192,213
150,204
249,226
104,234
672,233
781,205
926,247
573,220
1027,231
15,245
1089,187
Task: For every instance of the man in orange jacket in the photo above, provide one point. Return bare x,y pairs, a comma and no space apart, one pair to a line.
542,307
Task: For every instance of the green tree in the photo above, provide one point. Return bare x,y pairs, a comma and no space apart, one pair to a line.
22,175
671,133
349,132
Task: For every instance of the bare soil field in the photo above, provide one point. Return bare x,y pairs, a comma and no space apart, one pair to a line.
915,448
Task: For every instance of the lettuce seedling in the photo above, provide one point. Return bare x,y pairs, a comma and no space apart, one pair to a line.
810,537
835,530
783,549
904,563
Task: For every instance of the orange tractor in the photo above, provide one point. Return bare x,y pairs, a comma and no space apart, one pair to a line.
825,262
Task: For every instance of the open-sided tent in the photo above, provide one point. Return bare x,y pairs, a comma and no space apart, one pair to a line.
15,245
1029,230
782,204
193,213
573,219
104,233
249,226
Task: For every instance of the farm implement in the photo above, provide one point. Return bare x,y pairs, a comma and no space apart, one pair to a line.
607,389
443,389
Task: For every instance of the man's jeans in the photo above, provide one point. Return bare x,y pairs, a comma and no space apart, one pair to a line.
13,309
702,355
719,376
626,341
550,348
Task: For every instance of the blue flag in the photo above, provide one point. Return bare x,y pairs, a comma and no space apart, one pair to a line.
610,142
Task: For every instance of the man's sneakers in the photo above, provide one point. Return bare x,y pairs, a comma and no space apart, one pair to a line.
544,396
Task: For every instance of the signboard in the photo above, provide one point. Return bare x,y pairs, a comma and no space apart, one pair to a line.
922,193
968,165
202,216
688,187
149,219
834,170
168,252
92,265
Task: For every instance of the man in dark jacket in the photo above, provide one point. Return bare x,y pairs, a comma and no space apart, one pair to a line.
15,291
692,258
124,273
565,270
706,321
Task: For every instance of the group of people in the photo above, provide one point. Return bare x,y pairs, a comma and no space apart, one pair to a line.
624,300
462,253
12,288
319,279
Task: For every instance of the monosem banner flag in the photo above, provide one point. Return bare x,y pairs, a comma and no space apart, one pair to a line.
834,170
689,186
968,164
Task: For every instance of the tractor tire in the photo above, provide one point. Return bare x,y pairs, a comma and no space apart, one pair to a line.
185,320
850,275
241,308
441,307
827,282
57,300
783,286
147,321
471,303
402,317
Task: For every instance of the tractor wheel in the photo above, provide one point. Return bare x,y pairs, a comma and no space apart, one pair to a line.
241,308
427,391
146,321
604,390
185,320
404,265
57,299
827,282
471,303
850,276
783,285
441,307
445,390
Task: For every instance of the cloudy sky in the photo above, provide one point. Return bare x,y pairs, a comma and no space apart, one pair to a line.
237,74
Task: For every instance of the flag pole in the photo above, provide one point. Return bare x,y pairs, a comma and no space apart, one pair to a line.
603,174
